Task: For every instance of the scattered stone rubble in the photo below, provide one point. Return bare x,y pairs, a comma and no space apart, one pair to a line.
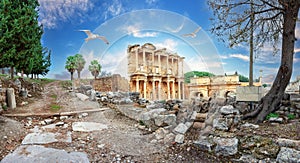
16,93
169,121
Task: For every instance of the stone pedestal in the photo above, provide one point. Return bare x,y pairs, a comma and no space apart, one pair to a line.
11,99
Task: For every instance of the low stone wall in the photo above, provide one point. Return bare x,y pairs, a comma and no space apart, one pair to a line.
112,83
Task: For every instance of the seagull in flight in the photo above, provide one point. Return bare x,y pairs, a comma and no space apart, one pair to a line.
193,34
92,36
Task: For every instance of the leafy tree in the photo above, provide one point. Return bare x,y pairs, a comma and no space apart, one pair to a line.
20,33
71,65
42,63
243,78
80,62
273,21
95,68
190,74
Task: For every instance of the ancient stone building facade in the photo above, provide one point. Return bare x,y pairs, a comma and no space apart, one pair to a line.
155,73
216,86
111,83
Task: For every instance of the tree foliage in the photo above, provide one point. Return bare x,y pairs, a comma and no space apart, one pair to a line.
95,68
79,63
274,21
71,65
243,78
190,74
20,35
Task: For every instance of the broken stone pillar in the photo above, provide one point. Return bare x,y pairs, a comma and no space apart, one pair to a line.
11,99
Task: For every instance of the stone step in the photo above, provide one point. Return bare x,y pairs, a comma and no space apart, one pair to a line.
198,125
200,117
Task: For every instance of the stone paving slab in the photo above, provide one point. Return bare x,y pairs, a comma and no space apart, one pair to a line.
46,137
88,126
41,154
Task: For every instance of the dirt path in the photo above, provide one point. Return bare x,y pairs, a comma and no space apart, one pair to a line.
122,141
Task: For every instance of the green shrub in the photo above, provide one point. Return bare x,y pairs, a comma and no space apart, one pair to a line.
272,115
291,116
55,107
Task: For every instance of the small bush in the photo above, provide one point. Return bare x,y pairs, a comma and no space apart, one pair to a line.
291,116
55,107
272,115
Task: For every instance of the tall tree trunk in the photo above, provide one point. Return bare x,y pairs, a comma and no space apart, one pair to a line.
22,73
71,76
3,71
78,72
11,72
271,102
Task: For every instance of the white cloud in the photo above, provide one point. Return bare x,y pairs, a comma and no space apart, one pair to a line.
170,44
297,50
135,31
151,2
114,8
240,56
52,12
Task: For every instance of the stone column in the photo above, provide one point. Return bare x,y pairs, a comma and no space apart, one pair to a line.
167,63
11,98
159,89
177,69
152,67
159,63
145,89
173,67
168,85
136,60
183,92
144,58
173,90
153,90
179,91
137,83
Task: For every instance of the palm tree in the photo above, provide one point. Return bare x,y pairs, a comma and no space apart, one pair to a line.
71,65
80,62
95,68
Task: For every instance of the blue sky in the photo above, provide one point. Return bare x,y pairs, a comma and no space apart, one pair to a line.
129,22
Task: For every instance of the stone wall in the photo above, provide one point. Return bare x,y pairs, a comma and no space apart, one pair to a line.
112,83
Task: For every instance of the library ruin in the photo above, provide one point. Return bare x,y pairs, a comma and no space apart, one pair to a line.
155,73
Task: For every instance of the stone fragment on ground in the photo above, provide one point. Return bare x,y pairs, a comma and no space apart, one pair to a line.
226,146
82,97
288,155
88,126
38,153
179,138
228,109
46,137
181,128
204,145
288,143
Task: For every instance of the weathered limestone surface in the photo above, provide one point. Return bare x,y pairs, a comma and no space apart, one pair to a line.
88,126
11,98
47,137
226,146
37,153
288,155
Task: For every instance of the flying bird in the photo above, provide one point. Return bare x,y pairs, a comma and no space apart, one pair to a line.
193,34
92,36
